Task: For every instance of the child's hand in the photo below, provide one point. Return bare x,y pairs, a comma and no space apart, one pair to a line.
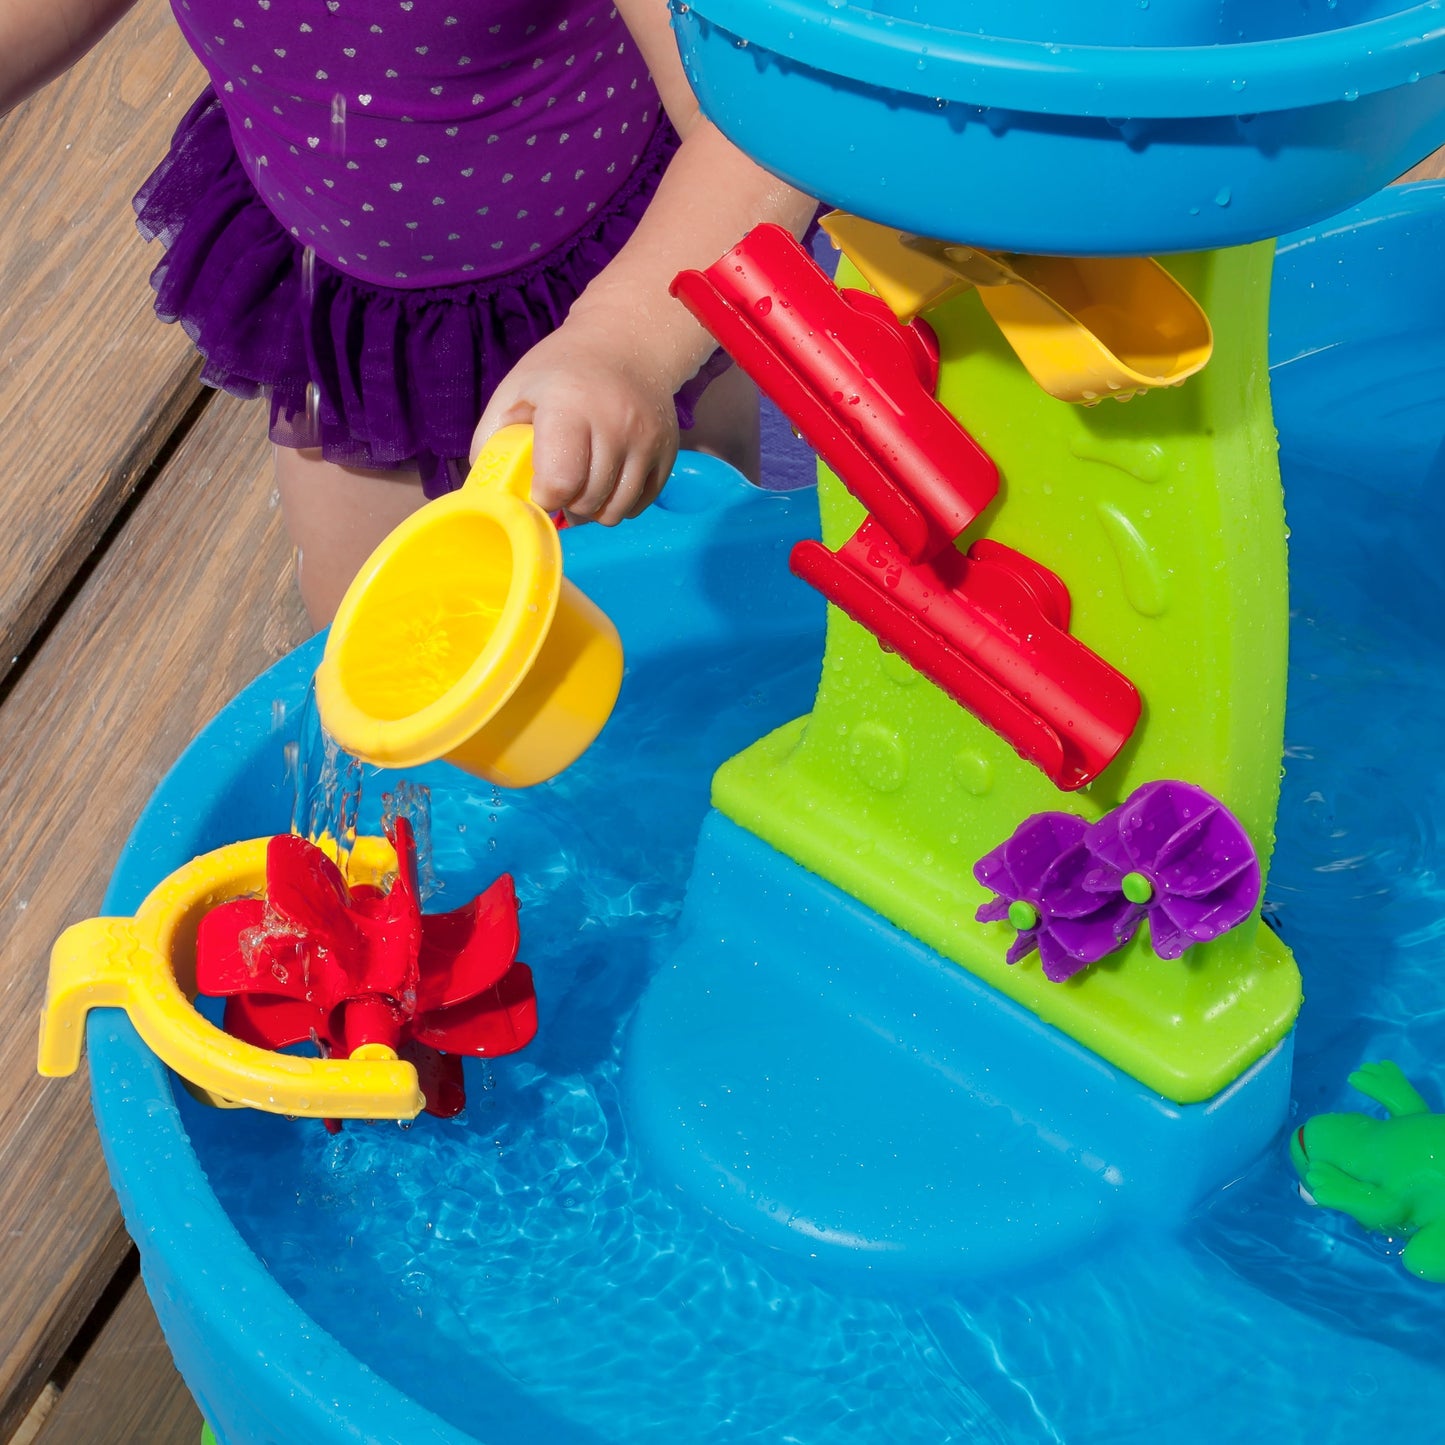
604,421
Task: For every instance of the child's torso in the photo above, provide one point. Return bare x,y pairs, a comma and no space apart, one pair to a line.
427,142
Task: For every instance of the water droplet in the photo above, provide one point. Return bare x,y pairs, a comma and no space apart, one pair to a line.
313,412
1223,196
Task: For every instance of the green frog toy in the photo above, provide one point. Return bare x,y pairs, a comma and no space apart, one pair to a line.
1387,1174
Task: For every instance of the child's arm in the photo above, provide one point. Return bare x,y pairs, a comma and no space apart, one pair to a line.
599,390
41,38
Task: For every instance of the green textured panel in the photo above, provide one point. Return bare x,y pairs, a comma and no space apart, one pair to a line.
1164,517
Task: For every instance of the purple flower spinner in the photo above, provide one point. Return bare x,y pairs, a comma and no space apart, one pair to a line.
1038,875
1182,858
1078,891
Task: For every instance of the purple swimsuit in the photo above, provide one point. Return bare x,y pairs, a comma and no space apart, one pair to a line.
382,204
426,142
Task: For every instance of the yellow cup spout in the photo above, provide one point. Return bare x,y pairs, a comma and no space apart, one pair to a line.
461,639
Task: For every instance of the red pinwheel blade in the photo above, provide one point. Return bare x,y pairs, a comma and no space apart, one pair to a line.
273,1023
390,927
467,951
221,967
306,888
368,900
265,963
499,1021
440,1078
404,895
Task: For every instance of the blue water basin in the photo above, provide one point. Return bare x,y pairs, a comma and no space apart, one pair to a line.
523,1274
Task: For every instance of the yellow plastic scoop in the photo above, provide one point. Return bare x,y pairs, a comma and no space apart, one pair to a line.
147,966
460,638
909,281
1084,327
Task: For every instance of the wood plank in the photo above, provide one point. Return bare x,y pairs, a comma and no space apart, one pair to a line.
193,598
126,1390
1432,168
90,382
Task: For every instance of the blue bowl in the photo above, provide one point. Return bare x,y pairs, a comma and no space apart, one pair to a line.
1120,127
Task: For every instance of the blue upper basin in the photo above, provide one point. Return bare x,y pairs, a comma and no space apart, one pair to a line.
1118,127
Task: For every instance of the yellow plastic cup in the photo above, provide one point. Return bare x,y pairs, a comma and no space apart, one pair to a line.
461,639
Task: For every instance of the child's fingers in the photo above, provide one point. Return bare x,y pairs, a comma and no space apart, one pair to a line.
630,494
651,490
608,459
562,461
657,478
654,475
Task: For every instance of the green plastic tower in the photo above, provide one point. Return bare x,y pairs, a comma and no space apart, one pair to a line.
1164,517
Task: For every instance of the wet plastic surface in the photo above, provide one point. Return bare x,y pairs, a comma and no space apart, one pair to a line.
1104,129
293,1273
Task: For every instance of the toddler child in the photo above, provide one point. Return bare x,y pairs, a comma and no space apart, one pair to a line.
395,217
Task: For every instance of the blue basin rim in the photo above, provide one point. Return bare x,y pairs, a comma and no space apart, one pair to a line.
1127,82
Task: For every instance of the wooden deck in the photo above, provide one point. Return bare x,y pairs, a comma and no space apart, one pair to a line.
144,579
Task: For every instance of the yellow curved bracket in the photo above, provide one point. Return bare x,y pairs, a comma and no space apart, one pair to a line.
133,963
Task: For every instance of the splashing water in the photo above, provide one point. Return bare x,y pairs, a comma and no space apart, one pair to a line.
412,801
308,274
327,782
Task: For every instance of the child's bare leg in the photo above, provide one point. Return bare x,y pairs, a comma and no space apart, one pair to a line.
727,423
335,516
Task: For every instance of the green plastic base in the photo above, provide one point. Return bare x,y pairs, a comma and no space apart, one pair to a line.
1164,516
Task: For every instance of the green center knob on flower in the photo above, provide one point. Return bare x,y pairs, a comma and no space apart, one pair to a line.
1137,888
1023,915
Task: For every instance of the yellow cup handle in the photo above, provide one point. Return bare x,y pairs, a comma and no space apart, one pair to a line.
505,463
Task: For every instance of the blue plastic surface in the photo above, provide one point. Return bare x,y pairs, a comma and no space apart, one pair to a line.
1134,1340
1106,128
890,1113
702,568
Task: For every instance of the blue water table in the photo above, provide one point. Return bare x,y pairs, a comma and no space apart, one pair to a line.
918,979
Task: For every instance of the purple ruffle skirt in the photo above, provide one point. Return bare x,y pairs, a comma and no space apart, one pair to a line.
375,376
